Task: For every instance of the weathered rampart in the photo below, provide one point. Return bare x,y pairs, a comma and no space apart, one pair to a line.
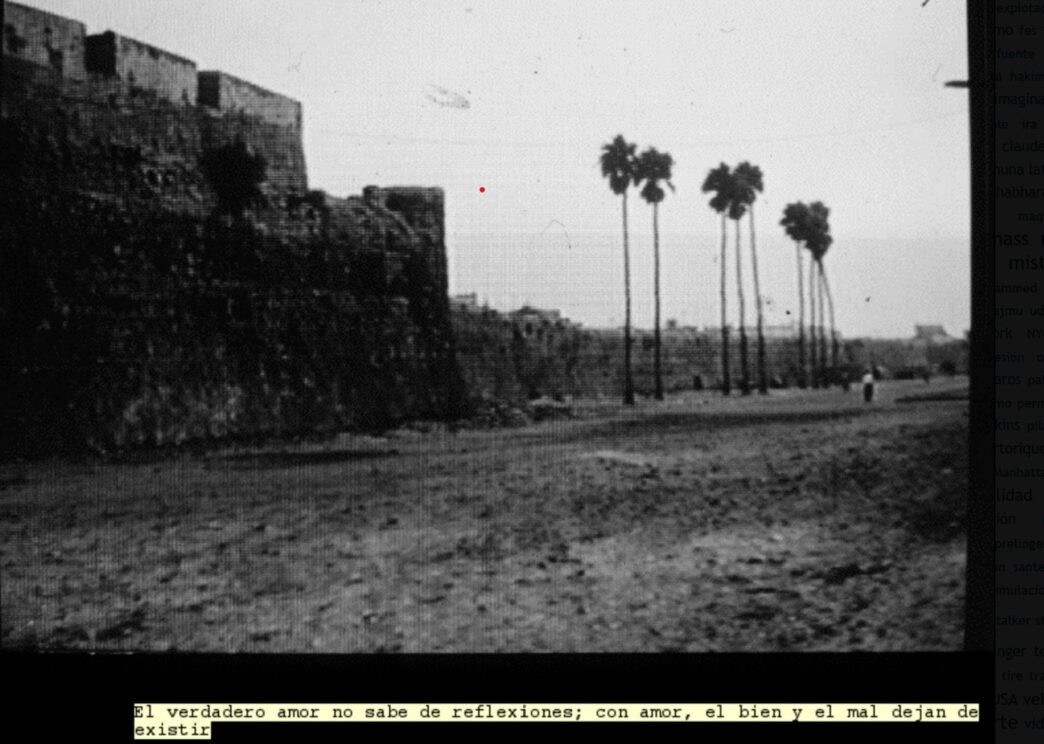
135,310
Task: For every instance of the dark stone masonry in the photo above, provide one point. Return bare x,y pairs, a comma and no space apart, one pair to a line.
139,309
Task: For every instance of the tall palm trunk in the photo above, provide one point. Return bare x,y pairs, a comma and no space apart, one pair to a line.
835,351
762,377
824,370
812,322
802,379
628,376
726,383
656,289
744,362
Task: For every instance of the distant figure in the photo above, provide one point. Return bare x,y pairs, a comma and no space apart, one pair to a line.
868,386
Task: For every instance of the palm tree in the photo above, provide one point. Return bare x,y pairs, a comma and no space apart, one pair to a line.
818,243
796,221
618,161
835,372
834,342
823,242
813,334
749,183
652,167
819,250
825,370
737,208
719,180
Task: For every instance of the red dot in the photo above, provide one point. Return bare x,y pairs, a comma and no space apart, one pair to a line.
482,189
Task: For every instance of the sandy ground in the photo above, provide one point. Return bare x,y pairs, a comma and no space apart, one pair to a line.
804,521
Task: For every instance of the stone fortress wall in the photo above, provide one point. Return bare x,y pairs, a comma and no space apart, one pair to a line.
228,94
62,44
45,39
139,315
143,66
109,70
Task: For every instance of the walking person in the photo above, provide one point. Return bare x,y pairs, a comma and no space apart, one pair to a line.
868,386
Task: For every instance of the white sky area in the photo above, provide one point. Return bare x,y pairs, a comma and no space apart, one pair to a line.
841,102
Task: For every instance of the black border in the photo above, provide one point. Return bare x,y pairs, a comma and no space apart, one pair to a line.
980,625
63,691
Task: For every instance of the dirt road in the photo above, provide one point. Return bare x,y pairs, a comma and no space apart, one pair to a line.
801,521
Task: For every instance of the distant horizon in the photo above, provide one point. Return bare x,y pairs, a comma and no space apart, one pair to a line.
734,329
708,328
600,253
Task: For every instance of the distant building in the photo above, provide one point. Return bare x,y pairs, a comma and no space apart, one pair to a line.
528,313
924,349
932,334
532,319
465,302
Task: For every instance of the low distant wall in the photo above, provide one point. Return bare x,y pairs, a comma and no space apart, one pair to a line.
502,358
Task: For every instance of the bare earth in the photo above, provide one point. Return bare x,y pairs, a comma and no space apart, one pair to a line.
804,521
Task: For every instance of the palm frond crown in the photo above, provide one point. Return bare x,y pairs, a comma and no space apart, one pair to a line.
819,244
797,221
618,164
652,167
819,215
748,182
818,230
719,180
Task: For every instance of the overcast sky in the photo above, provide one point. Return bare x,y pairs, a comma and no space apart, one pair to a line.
837,101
